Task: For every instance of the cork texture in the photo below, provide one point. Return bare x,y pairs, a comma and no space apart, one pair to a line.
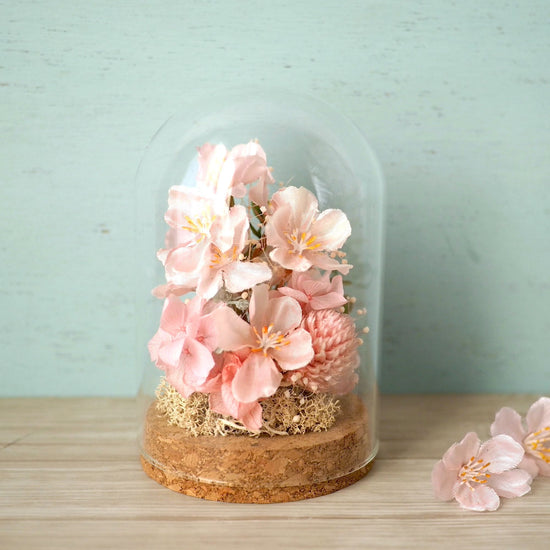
237,468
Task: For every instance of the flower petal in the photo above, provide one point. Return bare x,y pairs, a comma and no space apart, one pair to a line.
163,291
544,468
297,353
210,282
250,166
480,499
502,452
285,314
211,162
258,377
208,332
170,353
514,483
459,453
508,421
158,340
239,276
296,262
332,228
175,378
232,229
197,363
443,481
328,301
258,193
276,226
173,315
233,332
531,465
538,415
293,293
250,414
217,404
259,307
301,202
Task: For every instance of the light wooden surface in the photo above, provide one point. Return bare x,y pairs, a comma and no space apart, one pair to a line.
70,478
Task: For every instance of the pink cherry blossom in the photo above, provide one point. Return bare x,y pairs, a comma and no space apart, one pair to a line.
224,402
225,264
274,338
315,291
194,215
302,237
213,261
197,219
184,343
228,172
476,474
535,439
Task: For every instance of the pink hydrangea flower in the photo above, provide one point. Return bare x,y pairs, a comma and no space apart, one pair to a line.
229,172
535,439
315,291
302,237
223,401
184,343
476,474
273,338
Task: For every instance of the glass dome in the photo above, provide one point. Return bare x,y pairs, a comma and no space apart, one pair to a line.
260,229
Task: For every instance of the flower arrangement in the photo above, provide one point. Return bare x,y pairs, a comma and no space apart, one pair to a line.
254,301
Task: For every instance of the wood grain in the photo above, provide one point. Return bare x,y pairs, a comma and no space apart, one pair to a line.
70,478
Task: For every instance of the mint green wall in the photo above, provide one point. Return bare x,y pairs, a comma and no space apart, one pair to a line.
455,99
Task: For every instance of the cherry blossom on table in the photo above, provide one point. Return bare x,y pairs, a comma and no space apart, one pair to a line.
535,438
477,474
266,280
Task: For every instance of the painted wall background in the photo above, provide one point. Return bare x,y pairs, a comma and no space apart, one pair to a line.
455,100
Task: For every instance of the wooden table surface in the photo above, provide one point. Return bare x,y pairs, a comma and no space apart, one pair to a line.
70,478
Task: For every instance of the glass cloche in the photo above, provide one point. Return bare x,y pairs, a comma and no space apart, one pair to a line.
260,239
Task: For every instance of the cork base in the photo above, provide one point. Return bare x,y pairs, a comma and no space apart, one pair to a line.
265,469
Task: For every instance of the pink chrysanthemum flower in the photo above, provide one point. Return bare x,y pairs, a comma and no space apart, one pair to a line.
476,474
335,343
535,439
